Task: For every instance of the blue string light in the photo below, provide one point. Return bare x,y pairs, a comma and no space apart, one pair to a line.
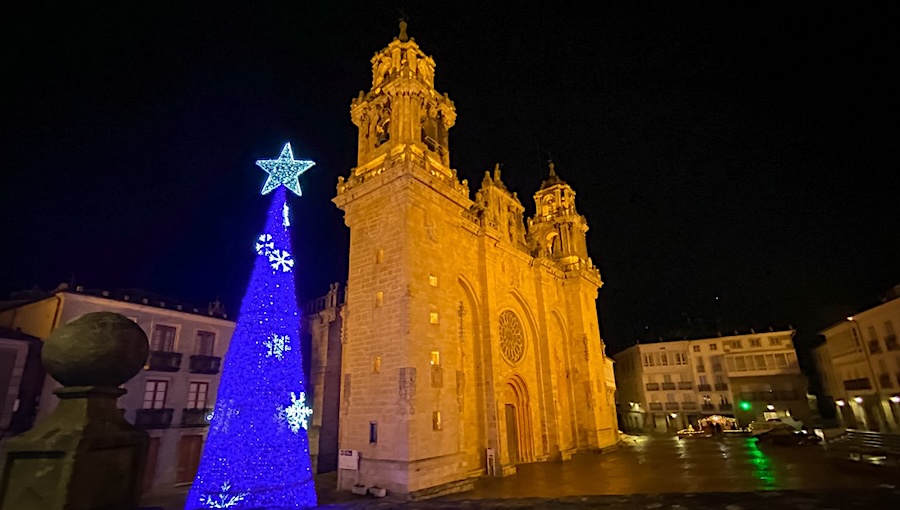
257,449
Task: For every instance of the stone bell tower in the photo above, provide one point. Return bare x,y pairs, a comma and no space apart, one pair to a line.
396,202
558,233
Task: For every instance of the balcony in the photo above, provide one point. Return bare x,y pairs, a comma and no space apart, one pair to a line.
725,407
874,346
858,384
204,364
884,380
195,417
701,368
685,385
655,406
708,407
163,361
652,386
153,418
671,406
668,386
890,342
721,386
689,406
704,387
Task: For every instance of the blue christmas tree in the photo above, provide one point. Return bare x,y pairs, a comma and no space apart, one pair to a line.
257,451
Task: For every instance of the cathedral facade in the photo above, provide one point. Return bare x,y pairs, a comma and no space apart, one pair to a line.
470,339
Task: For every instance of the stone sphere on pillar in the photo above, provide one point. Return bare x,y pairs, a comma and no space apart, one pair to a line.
97,349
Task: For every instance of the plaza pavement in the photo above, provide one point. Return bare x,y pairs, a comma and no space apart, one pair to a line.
658,472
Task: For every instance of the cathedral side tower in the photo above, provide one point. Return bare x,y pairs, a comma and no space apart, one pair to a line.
557,234
399,394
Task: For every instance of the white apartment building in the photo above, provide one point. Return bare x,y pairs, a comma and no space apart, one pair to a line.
859,367
173,396
667,385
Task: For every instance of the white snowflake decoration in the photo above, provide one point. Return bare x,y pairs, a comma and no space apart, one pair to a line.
281,259
264,244
223,499
277,346
295,415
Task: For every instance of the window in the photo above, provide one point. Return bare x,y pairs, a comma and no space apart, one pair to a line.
760,361
376,365
373,432
648,360
687,397
432,280
720,379
680,358
703,380
433,317
197,392
740,363
755,342
163,338
696,348
773,341
667,378
889,328
664,359
872,334
379,298
713,347
670,397
206,342
737,344
700,362
780,360
155,393
436,420
435,357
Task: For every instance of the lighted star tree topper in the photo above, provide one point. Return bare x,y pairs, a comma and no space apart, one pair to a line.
257,450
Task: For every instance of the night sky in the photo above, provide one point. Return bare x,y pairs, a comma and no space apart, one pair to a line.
747,153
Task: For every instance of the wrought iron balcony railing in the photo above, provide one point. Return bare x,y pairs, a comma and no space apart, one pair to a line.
200,364
195,417
164,361
153,418
704,387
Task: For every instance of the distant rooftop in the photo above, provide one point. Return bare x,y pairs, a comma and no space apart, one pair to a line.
136,296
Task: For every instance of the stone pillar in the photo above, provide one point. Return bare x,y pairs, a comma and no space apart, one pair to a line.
84,455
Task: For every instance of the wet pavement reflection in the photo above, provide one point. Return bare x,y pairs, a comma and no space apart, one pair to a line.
659,464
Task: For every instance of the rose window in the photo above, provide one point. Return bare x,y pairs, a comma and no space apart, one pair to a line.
512,343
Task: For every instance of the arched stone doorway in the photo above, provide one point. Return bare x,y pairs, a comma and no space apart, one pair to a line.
517,414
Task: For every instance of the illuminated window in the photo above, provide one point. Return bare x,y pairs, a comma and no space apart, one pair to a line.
436,420
197,392
433,317
379,298
155,393
376,365
435,357
379,256
432,280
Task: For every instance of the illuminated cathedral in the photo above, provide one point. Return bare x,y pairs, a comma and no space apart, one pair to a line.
468,338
